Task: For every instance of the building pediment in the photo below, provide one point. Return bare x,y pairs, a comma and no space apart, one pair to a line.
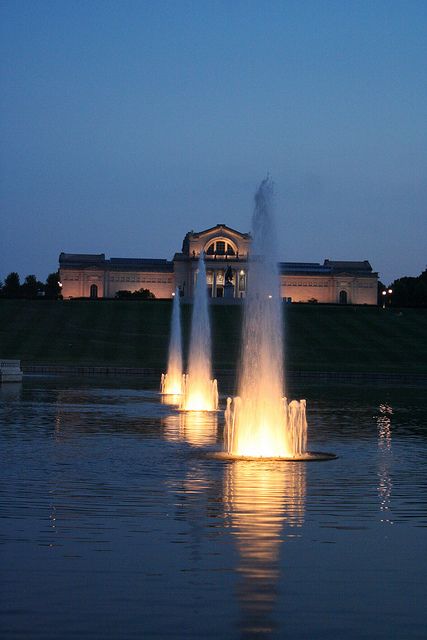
217,240
218,230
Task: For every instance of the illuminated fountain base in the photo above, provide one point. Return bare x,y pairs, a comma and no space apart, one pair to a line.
309,456
171,384
268,430
199,394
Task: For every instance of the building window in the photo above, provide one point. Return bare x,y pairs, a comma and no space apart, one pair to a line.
220,248
93,291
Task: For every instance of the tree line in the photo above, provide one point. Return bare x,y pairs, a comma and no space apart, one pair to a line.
31,287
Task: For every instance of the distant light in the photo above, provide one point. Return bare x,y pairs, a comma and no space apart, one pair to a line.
384,293
390,290
270,296
173,294
60,284
242,273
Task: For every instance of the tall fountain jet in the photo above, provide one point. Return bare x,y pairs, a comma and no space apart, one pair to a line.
171,381
200,391
260,422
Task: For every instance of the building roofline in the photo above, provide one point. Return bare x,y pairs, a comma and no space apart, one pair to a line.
81,257
219,226
98,261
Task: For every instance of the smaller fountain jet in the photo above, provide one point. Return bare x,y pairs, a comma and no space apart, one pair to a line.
172,381
200,391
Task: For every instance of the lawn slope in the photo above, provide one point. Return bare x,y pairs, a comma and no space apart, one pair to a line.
135,333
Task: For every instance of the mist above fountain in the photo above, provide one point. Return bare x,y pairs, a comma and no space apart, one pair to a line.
171,381
260,422
200,392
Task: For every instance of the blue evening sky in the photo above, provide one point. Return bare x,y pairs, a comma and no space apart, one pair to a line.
124,124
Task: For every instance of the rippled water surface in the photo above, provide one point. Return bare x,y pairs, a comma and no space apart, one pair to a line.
116,523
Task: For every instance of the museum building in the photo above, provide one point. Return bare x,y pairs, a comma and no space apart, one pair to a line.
226,254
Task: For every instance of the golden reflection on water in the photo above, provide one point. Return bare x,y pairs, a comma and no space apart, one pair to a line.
171,399
198,429
264,505
385,483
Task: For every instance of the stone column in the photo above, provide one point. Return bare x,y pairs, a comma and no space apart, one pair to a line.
214,283
106,292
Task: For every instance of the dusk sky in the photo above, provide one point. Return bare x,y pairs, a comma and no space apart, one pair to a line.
126,124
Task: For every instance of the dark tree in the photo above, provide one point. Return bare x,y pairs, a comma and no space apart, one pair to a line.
32,287
142,294
123,294
12,286
52,288
410,292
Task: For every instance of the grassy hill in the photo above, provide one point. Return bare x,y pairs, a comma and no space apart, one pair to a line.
136,333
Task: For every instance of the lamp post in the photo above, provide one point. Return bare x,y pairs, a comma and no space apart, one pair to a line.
385,293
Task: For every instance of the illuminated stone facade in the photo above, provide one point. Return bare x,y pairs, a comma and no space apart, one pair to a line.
226,252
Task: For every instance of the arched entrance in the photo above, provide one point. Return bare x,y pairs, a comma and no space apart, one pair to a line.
93,291
343,297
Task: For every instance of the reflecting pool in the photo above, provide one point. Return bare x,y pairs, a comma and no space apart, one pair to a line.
116,523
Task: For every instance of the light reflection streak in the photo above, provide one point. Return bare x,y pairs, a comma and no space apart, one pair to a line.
385,483
171,399
264,504
197,428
